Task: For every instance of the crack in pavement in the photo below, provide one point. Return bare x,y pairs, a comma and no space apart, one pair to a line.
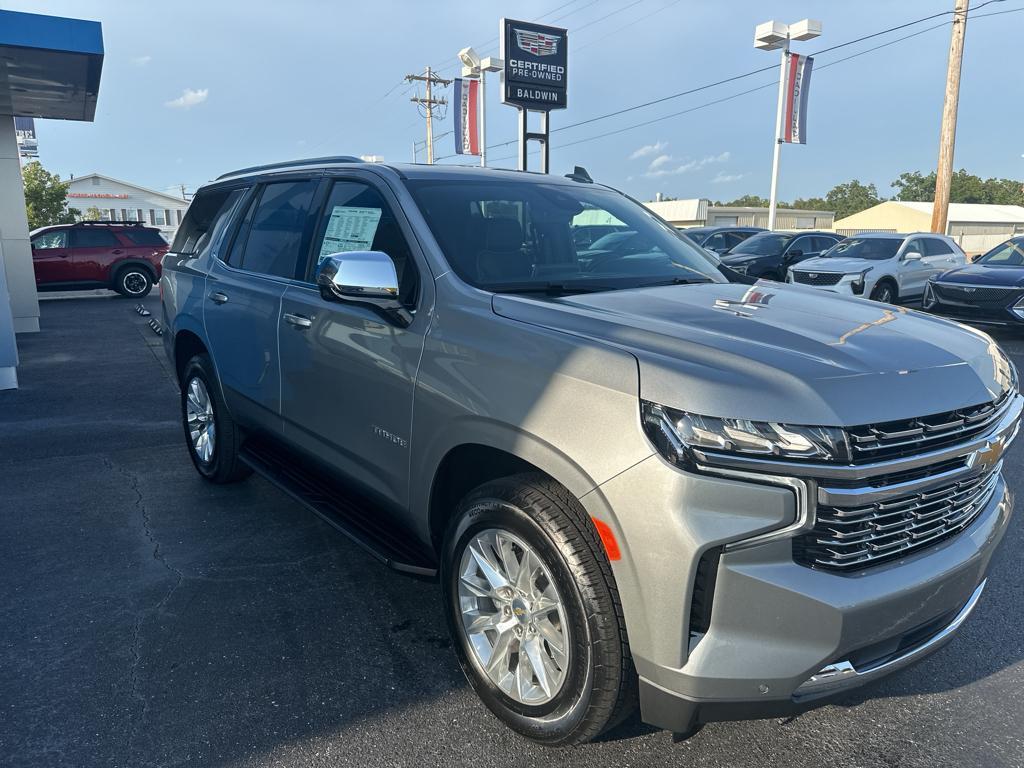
138,718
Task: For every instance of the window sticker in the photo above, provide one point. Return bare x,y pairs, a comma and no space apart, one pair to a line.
349,229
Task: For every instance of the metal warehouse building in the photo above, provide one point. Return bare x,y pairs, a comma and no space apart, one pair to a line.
976,227
699,212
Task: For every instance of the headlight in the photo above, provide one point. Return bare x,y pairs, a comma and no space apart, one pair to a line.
928,300
741,268
678,434
1005,372
857,286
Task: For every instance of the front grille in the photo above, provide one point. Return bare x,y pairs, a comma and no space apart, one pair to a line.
817,278
907,437
848,538
973,295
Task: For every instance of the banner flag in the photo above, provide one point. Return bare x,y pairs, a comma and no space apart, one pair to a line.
797,87
467,110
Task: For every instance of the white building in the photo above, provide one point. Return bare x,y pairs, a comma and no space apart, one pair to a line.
699,212
121,201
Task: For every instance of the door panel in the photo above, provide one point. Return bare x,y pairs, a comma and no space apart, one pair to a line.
914,274
51,258
93,250
348,373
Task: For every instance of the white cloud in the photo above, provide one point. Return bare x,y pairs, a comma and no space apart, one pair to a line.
188,99
659,161
664,165
724,178
141,61
648,149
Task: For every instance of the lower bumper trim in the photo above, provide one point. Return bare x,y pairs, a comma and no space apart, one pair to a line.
843,674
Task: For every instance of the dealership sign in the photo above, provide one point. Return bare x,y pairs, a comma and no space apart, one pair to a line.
467,100
25,130
536,65
796,87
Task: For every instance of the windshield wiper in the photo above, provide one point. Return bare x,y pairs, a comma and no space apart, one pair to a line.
673,281
547,289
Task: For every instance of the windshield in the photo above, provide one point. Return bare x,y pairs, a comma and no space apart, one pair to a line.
764,244
1008,254
517,236
873,248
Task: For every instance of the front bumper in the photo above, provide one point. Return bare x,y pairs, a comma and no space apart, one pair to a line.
847,285
782,637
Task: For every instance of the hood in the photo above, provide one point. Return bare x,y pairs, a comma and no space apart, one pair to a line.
746,258
984,274
777,352
843,264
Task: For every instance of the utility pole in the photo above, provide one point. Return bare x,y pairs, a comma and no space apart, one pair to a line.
947,135
429,102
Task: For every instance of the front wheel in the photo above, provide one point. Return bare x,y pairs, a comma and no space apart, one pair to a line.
534,612
884,292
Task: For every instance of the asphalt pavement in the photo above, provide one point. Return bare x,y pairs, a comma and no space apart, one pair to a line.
148,618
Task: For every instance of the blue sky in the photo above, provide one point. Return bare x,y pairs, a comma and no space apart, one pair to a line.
192,89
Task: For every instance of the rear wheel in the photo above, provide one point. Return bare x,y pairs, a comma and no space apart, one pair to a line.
884,292
211,434
534,612
134,282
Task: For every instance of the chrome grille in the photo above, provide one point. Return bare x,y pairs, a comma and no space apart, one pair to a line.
895,439
817,278
848,538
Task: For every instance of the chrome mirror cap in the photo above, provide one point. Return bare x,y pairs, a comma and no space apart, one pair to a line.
358,275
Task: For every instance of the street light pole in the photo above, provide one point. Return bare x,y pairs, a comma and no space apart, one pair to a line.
773,200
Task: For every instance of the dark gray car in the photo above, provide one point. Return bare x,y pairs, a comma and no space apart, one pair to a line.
634,480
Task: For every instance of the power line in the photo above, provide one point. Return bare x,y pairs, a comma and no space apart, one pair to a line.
764,86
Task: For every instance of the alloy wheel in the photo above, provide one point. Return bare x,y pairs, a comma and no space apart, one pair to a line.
134,283
202,428
513,617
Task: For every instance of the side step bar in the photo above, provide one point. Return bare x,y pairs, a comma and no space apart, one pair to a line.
365,523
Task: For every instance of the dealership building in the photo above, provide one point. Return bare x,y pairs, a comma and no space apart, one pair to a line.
123,201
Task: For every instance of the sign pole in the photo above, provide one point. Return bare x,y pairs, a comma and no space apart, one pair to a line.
773,197
522,138
483,117
544,130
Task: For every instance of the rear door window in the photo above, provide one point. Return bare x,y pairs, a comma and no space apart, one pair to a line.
93,237
278,228
935,247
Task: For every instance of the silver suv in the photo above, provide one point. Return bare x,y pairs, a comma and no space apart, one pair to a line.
884,267
634,480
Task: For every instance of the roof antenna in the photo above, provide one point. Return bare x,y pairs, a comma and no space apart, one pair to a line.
579,173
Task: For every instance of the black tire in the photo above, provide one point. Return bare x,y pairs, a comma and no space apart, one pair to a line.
600,683
133,282
885,292
223,465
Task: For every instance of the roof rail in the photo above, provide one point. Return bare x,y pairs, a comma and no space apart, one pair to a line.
288,163
132,223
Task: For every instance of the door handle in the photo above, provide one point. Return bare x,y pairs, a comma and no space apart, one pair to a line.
299,321
218,298
117,251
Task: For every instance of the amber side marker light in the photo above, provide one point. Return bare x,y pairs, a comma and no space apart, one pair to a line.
611,546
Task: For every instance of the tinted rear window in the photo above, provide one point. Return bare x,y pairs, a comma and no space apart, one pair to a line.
93,237
278,226
144,237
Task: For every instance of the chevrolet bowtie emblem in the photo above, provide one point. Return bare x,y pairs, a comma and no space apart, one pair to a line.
990,454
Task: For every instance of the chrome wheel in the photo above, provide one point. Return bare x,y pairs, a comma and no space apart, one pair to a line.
202,429
513,617
134,283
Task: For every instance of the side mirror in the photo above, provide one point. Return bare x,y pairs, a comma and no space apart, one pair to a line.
363,277
912,256
796,253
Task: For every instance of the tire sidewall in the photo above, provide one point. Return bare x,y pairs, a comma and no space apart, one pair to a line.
123,274
877,293
199,368
556,719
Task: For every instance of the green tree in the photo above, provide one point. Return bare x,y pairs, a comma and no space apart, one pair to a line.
747,201
964,188
811,204
46,197
92,213
851,197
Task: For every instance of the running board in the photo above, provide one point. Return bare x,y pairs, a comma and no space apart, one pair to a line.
365,523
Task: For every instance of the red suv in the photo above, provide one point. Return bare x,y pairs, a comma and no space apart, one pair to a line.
124,256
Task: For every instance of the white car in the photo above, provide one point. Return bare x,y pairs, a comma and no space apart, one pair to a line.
882,266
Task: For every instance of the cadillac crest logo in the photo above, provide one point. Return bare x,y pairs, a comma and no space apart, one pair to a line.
537,43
